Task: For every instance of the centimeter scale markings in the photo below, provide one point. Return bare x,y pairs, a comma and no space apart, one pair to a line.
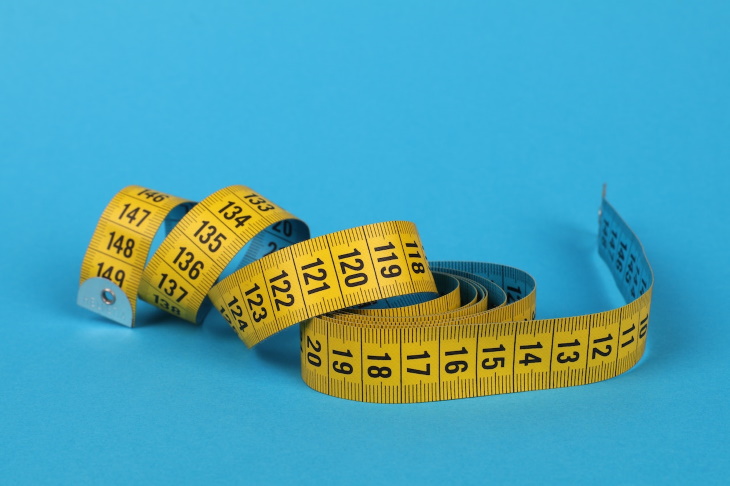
200,247
468,329
323,275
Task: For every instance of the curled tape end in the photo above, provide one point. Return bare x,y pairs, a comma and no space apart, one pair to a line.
106,299
603,199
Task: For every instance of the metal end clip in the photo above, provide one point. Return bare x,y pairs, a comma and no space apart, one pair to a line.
603,198
107,299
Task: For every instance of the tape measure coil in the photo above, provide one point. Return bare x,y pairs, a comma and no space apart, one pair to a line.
467,329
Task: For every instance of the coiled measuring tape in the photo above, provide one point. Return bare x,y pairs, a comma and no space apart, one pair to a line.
378,322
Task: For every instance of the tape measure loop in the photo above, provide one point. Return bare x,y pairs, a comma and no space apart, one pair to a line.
119,248
322,275
206,241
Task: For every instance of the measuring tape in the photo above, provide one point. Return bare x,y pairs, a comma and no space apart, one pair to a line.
378,322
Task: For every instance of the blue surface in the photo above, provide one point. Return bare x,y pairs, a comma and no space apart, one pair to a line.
491,127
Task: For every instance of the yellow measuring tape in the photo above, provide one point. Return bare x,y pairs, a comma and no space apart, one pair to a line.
378,322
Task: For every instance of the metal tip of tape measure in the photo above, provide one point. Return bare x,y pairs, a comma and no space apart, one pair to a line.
603,198
106,299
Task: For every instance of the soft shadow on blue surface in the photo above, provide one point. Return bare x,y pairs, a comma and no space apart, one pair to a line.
282,350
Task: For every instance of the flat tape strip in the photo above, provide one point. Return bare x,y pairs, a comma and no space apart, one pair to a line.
378,322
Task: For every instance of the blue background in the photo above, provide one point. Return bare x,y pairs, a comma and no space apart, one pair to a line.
492,126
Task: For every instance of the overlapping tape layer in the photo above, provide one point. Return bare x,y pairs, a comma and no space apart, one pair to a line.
379,323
